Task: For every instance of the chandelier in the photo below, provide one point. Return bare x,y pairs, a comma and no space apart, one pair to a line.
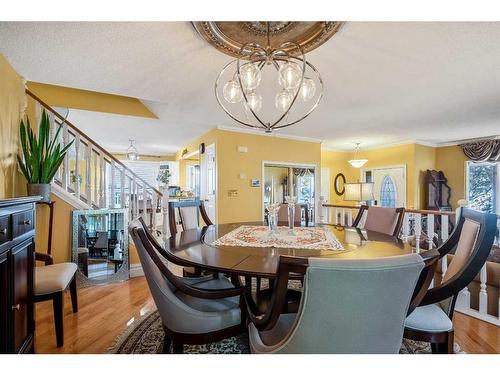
291,85
357,163
132,153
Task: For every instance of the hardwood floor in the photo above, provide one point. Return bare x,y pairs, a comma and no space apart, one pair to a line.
106,311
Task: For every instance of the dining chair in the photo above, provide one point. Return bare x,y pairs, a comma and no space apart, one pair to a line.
102,242
380,219
283,215
471,243
51,281
189,214
193,310
347,306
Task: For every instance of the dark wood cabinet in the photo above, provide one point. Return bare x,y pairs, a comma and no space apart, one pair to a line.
17,261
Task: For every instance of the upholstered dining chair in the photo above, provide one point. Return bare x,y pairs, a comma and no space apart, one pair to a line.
348,306
380,219
471,243
283,215
51,281
189,214
193,310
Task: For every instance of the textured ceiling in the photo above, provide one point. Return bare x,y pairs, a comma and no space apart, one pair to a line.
384,82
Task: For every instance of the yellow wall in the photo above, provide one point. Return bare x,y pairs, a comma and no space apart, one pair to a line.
425,158
157,158
60,96
12,105
183,163
451,160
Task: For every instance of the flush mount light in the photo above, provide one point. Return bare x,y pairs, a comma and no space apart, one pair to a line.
357,163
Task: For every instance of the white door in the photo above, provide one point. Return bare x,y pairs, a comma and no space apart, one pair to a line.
389,186
208,185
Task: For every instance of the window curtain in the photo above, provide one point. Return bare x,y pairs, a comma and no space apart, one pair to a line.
488,150
299,172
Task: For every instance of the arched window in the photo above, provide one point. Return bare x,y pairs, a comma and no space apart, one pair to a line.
388,192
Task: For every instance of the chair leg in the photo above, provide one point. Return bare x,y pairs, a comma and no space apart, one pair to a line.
73,293
178,347
167,342
445,347
434,348
57,304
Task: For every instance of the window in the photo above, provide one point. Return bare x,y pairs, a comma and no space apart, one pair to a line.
388,192
483,186
305,188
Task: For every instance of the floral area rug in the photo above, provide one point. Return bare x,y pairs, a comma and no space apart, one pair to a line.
301,238
146,337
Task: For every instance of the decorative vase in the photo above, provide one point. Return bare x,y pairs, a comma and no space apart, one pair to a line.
42,190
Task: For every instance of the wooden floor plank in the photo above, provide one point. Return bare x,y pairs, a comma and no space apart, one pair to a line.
106,311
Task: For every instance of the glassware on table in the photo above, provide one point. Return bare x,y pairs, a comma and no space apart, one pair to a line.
291,202
272,216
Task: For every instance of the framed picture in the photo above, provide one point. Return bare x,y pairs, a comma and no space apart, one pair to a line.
255,182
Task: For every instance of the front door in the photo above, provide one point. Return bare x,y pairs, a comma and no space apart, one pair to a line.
209,182
389,186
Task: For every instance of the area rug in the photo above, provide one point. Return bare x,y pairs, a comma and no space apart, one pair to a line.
146,337
315,238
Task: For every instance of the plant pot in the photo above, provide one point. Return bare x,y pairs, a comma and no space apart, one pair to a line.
42,190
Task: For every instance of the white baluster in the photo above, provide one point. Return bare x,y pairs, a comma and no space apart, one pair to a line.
144,204
104,182
418,230
164,210
342,218
463,300
96,185
336,218
430,229
88,174
349,217
154,204
38,114
322,210
135,209
444,227
444,265
406,224
122,188
102,163
77,166
113,185
483,292
65,176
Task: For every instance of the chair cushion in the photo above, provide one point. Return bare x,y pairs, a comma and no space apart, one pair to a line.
429,318
279,331
189,217
466,243
211,305
53,278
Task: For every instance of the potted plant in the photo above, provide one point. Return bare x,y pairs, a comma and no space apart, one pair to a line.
42,156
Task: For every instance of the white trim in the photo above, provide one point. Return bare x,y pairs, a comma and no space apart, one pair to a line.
385,145
275,134
136,270
317,182
69,197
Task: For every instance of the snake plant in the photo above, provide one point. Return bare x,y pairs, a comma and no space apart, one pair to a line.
42,155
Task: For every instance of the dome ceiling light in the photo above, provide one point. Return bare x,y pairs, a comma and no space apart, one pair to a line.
357,163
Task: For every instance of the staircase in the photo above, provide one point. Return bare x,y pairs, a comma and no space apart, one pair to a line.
91,178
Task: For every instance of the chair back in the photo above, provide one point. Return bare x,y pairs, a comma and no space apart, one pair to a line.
380,219
102,240
189,214
470,242
283,214
364,311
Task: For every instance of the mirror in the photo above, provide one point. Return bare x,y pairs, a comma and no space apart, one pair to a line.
339,183
100,245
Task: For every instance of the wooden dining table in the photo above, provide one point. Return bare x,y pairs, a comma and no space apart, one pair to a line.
195,247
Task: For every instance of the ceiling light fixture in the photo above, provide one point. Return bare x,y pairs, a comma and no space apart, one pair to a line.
357,163
132,153
294,84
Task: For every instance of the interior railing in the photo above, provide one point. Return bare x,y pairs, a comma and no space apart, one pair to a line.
437,226
95,177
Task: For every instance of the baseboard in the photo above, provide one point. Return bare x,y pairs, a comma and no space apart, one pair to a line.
136,270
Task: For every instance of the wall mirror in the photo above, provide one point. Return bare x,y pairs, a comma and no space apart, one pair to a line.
338,184
100,245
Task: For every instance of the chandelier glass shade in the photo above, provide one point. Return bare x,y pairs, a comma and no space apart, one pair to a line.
132,153
357,163
269,87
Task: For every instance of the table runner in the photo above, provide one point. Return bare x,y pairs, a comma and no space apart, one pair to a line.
260,236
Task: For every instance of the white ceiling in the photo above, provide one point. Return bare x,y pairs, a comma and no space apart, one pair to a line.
384,82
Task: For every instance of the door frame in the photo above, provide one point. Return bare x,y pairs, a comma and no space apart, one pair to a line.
203,178
404,166
317,181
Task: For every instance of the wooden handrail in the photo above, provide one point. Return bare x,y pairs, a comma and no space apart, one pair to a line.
412,211
90,140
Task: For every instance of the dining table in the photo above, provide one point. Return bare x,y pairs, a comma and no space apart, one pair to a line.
200,248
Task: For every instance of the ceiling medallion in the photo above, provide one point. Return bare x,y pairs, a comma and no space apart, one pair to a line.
229,37
266,72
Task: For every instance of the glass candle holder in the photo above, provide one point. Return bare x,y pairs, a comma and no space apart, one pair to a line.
291,202
272,216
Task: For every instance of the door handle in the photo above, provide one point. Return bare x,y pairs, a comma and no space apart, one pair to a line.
3,231
16,307
27,222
